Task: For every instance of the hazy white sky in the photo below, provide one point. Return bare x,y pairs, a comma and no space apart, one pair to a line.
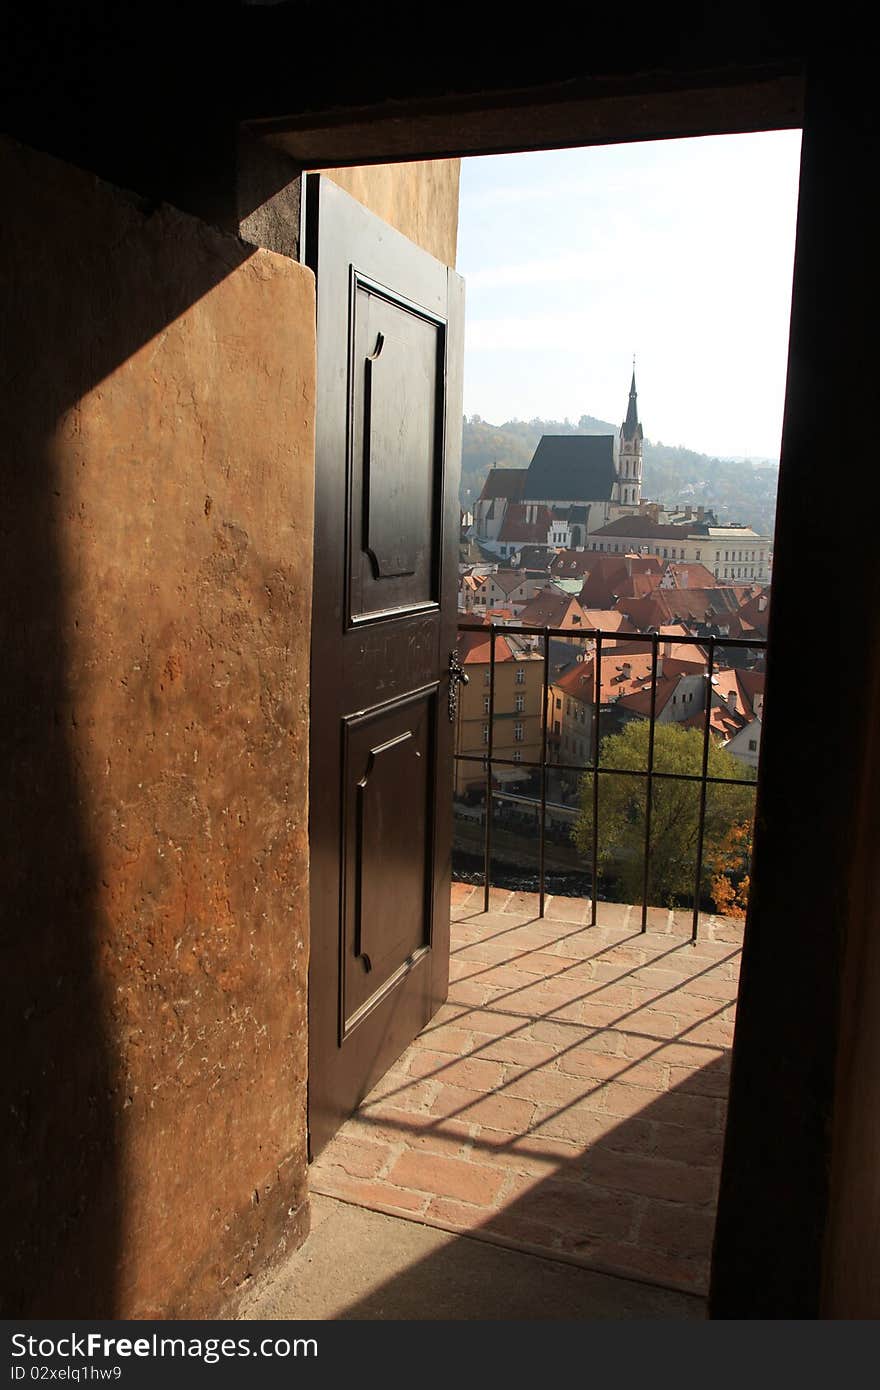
679,251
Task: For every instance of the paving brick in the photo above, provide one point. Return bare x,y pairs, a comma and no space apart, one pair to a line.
700,1147
460,1216
603,1066
472,993
570,1209
525,1051
358,1157
492,1112
653,1266
525,904
567,909
550,1087
448,1177
413,1130
406,1093
369,1193
445,1038
587,1123
473,1073
712,1080
650,1177
496,1022
564,1034
461,893
676,1228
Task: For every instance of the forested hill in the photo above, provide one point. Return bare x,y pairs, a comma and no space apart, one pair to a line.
735,490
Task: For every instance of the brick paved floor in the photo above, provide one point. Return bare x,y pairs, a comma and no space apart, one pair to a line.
570,1097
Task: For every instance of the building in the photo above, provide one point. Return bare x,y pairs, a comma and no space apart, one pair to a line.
730,552
516,721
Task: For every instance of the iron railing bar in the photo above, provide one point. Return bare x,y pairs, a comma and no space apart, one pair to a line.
707,725
545,697
623,642
650,787
597,707
487,844
616,771
621,638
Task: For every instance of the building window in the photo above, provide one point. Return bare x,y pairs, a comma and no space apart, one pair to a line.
717,557
556,726
698,554
517,755
753,745
487,676
487,699
485,733
716,571
518,732
559,702
520,675
519,704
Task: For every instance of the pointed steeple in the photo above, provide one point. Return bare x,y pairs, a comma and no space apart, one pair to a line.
631,423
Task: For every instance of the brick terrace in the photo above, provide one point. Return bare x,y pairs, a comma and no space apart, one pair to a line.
570,1097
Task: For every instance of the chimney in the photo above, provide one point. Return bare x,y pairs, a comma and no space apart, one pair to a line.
627,670
762,604
731,699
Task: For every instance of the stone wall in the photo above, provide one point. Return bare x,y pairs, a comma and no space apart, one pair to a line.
156,544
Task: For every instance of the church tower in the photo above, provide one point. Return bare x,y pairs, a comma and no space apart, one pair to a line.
629,474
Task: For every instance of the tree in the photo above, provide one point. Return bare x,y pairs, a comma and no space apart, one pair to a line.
675,818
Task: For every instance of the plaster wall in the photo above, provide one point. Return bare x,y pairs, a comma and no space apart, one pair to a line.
156,456
420,199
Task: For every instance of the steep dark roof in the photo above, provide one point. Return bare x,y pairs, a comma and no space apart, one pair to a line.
631,428
503,482
572,468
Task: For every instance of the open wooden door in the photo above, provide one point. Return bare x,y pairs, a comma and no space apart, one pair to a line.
390,342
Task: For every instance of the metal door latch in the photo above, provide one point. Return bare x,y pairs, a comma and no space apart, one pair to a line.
457,677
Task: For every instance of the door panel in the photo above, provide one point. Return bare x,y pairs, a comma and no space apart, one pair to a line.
383,626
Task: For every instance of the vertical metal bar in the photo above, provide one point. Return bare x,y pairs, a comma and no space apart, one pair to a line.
487,844
597,705
707,723
655,642
543,772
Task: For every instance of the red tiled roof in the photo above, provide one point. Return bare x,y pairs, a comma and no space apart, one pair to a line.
515,527
503,482
474,648
551,608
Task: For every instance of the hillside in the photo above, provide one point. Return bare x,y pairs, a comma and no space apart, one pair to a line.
734,489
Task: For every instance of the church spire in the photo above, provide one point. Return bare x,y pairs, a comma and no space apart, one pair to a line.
631,423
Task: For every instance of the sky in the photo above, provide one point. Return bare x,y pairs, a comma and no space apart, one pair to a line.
677,251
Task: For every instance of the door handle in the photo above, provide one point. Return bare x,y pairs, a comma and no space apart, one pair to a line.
457,676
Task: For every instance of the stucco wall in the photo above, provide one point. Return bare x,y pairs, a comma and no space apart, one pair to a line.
157,465
419,199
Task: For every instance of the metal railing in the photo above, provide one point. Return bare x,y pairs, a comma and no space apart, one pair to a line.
708,645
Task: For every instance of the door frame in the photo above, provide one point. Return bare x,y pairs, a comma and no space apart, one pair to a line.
775,1206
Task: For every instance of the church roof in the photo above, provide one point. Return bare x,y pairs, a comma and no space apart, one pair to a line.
572,468
504,483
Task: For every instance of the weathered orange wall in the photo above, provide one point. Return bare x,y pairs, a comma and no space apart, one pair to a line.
420,199
157,467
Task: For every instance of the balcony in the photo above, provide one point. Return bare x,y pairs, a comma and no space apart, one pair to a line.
569,1099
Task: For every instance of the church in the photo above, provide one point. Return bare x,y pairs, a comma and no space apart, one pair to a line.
575,484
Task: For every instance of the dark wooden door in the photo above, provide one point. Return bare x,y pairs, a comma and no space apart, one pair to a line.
390,324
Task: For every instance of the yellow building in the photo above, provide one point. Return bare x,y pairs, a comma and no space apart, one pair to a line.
517,733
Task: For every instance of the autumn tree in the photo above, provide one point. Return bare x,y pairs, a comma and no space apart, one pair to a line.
675,818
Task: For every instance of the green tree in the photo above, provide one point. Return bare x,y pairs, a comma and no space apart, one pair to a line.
675,816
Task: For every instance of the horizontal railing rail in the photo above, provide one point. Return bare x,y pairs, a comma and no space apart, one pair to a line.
708,645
